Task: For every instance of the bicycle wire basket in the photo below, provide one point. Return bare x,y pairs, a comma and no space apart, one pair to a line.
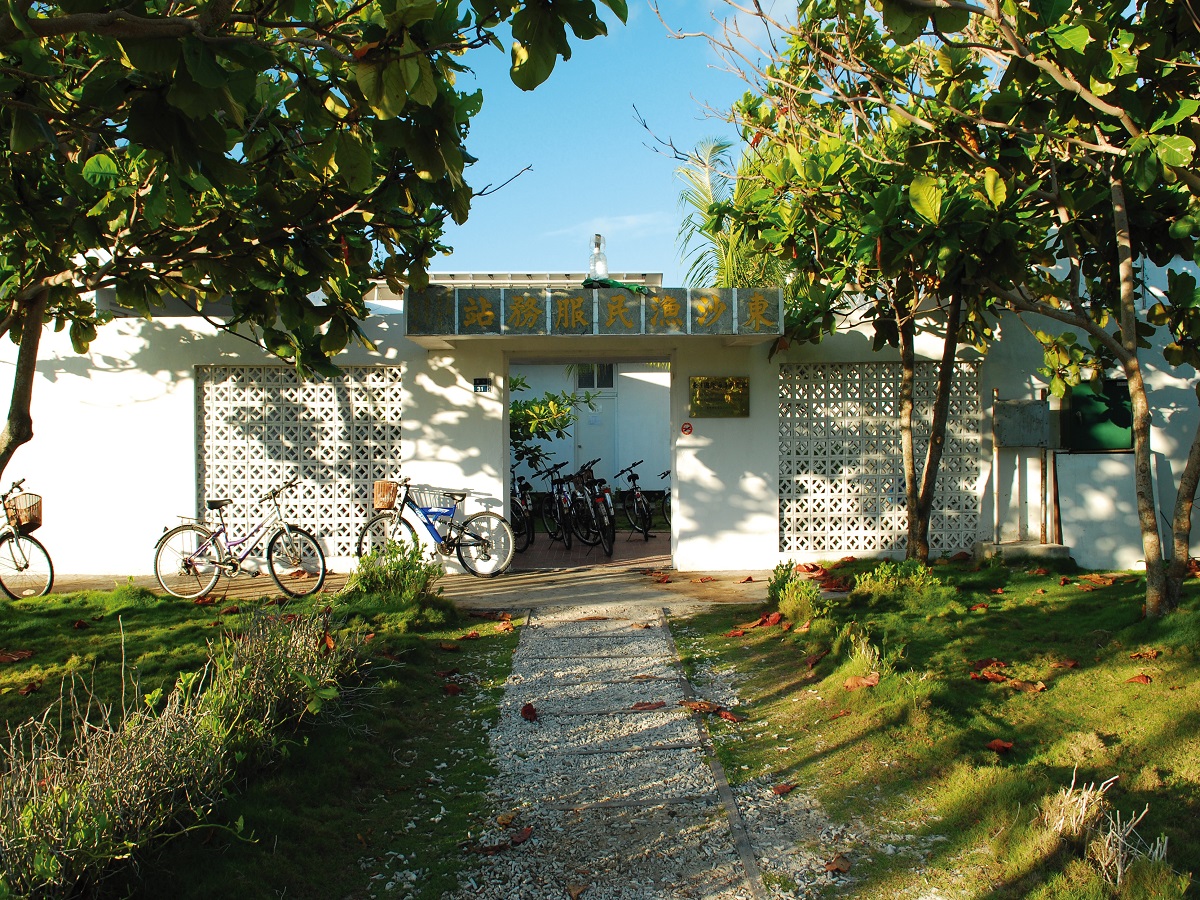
24,512
384,494
433,498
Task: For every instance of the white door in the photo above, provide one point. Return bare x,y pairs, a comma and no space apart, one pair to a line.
596,435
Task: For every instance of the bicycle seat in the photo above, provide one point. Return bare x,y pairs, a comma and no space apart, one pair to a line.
217,504
456,496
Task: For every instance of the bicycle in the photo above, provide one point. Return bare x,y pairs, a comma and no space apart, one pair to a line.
556,511
635,503
592,511
484,541
666,498
190,558
25,567
520,502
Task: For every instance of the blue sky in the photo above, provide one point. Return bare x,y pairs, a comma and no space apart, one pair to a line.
592,170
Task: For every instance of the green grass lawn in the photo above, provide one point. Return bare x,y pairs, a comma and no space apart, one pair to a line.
386,785
911,754
388,779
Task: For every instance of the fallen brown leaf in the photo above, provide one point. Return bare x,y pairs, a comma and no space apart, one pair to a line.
1144,654
1040,591
446,673
448,647
1100,580
575,891
747,580
988,676
998,746
783,789
839,714
1039,571
452,689
1064,581
704,706
730,717
643,705
529,713
469,636
506,819
977,606
522,836
990,663
230,611
1065,664
1140,678
736,632
838,864
962,556
504,626
815,658
663,579
1029,687
998,590
31,688
80,624
786,626
854,682
592,619
703,580
836,585
14,655
641,625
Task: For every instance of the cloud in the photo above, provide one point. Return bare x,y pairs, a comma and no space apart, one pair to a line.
627,226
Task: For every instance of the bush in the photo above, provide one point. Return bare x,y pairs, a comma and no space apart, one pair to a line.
73,804
401,581
909,583
800,600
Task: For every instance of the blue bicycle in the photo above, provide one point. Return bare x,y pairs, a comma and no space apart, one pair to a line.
484,542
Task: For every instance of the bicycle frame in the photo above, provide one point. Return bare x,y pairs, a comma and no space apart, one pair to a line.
430,516
227,545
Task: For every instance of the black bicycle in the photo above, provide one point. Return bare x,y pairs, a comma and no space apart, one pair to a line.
635,502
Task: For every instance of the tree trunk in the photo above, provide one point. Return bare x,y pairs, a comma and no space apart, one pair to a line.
1181,525
19,428
917,547
937,427
1156,576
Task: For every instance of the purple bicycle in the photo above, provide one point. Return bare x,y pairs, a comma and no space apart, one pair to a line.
190,558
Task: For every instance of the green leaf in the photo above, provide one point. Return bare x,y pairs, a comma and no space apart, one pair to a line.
383,87
993,184
530,66
926,198
1070,37
1050,12
151,54
1175,150
101,171
202,65
1181,109
951,21
28,132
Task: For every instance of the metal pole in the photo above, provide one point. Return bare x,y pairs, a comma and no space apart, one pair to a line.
995,472
1043,475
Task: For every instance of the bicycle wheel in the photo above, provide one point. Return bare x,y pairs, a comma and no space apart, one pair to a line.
641,509
549,513
520,524
627,504
566,521
583,521
485,544
25,567
604,526
666,505
382,529
296,561
187,563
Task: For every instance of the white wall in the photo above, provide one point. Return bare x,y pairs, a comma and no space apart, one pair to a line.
114,447
725,508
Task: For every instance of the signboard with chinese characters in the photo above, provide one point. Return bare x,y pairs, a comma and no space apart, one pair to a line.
712,397
745,313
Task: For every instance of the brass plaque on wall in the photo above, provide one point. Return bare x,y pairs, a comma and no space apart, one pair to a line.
718,397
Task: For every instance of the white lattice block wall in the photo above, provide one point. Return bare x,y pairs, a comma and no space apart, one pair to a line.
259,426
841,465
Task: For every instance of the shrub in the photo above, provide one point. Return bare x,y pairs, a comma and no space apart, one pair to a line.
401,581
908,583
74,803
800,600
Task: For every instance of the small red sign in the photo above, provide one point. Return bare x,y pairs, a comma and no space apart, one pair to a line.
687,428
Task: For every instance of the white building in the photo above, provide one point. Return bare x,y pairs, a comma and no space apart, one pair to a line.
796,457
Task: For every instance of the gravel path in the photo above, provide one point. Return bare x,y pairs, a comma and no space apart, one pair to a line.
608,802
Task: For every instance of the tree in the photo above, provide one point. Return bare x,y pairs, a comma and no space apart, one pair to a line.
273,154
549,417
1079,115
884,224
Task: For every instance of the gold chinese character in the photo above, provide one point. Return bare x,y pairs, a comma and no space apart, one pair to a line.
569,314
756,312
709,309
617,309
666,312
478,312
523,311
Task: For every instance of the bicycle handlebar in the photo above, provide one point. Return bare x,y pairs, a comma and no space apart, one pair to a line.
271,495
629,468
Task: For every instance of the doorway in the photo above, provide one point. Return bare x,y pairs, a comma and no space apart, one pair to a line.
628,421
